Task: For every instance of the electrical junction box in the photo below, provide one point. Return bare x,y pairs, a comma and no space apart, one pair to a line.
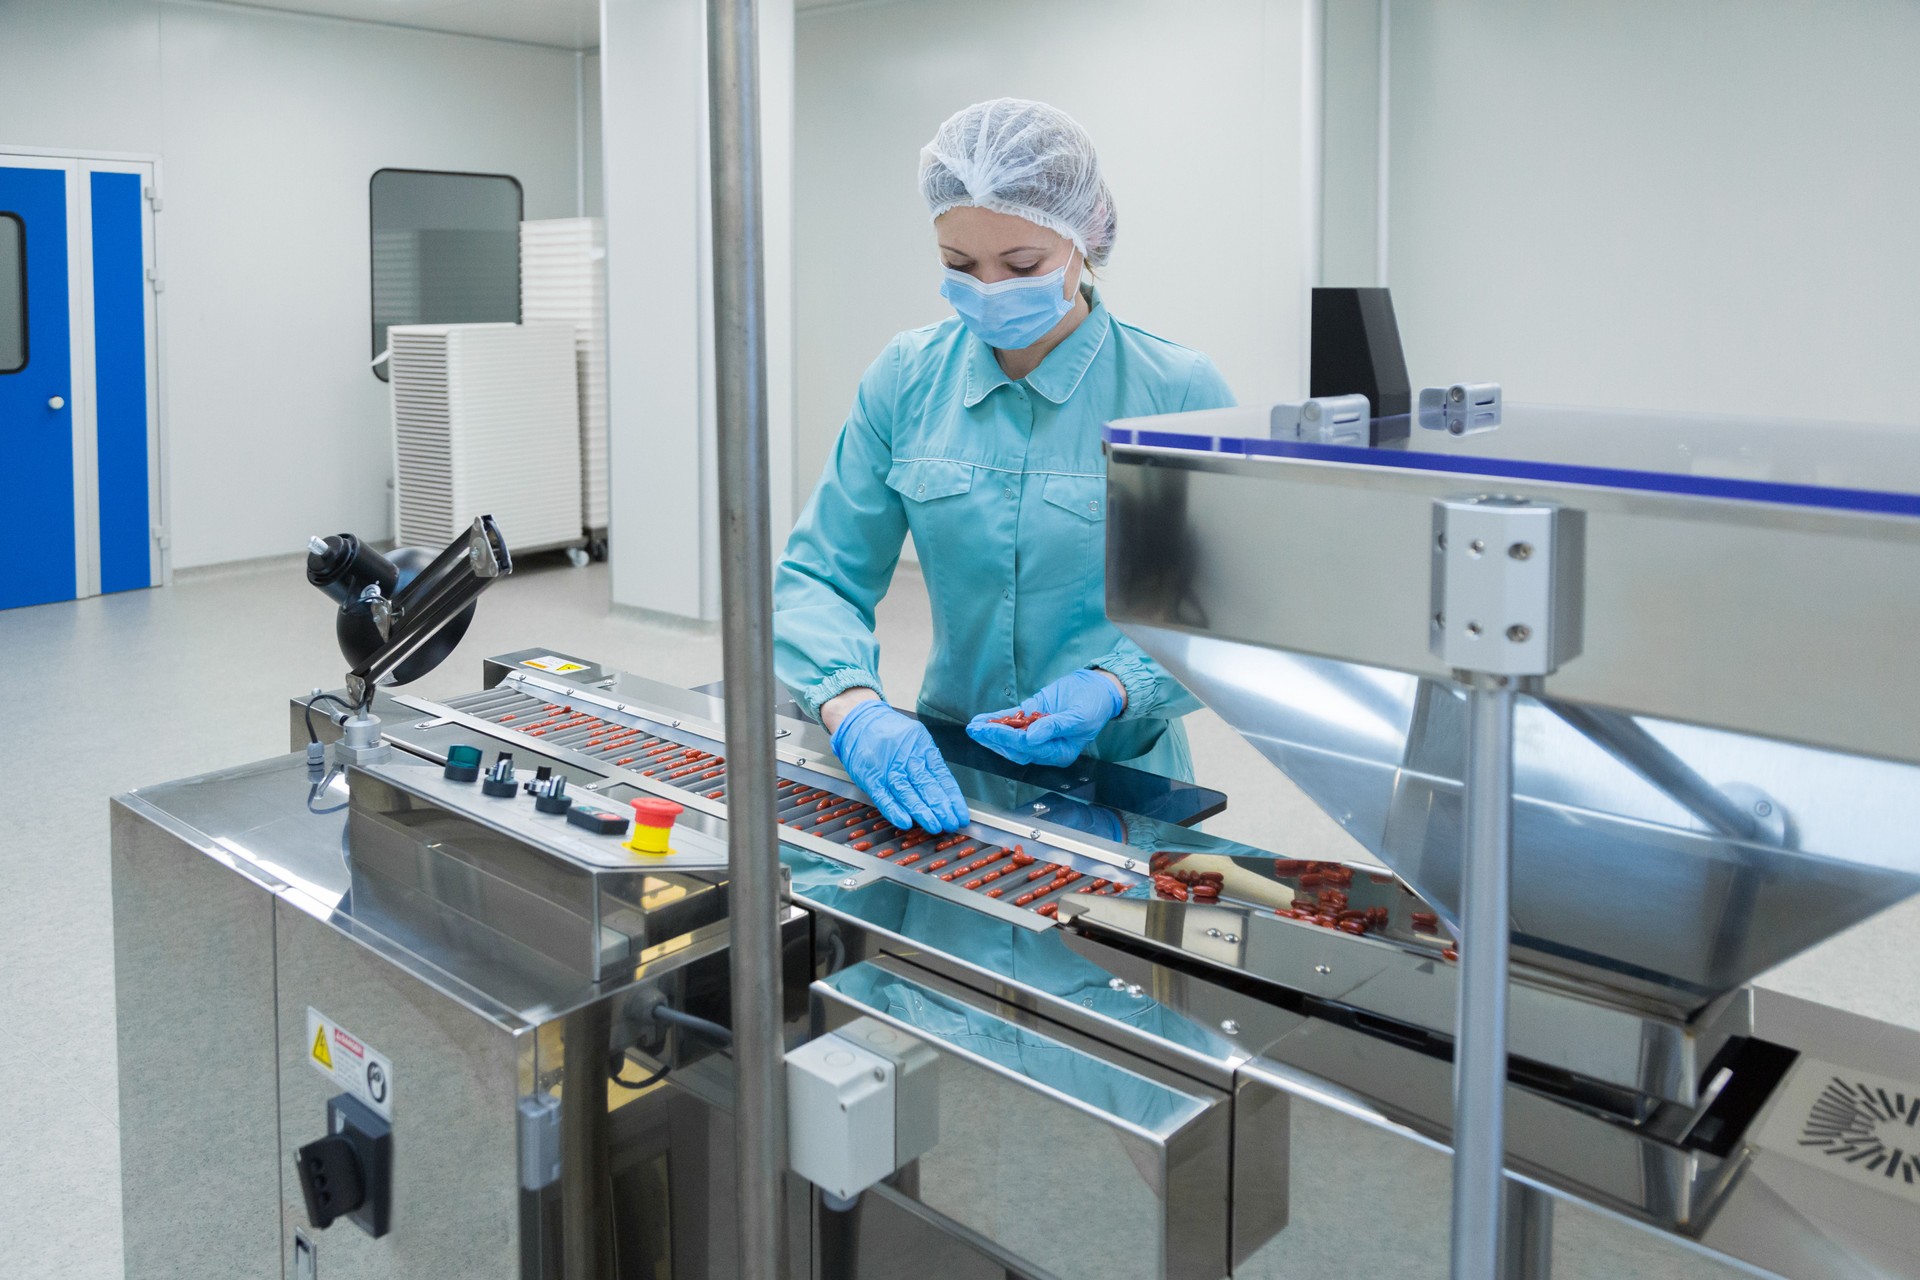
845,1116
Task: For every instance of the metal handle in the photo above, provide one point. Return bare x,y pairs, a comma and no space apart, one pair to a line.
57,403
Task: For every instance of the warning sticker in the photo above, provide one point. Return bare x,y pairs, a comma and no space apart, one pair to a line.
555,663
351,1063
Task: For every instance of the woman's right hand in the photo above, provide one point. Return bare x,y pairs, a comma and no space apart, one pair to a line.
892,758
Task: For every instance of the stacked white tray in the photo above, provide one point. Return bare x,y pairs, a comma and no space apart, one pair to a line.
486,420
563,278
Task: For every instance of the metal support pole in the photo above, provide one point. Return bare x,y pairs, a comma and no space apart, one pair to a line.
746,619
1480,1045
586,1187
1527,1251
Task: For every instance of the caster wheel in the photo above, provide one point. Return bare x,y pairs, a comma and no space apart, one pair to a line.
578,557
597,548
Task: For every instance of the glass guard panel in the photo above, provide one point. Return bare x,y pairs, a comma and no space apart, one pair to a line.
13,293
446,250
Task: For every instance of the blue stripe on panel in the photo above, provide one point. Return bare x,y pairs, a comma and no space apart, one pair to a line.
120,382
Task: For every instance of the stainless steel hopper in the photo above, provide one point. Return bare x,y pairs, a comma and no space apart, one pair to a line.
1728,773
1684,743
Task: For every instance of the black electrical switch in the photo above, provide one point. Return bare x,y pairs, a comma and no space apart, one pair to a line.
348,1174
598,821
552,796
499,781
330,1180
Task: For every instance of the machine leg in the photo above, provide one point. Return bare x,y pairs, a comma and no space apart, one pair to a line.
1527,1239
586,1178
1480,1048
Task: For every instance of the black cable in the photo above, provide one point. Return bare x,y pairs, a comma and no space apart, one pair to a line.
312,735
624,1083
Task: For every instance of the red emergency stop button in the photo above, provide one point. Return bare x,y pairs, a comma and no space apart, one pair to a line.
652,823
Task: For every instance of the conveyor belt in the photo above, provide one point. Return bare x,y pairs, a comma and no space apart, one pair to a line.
1005,873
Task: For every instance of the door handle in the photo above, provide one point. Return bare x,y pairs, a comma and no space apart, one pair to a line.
57,403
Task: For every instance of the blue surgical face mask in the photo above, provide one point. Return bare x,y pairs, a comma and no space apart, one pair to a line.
1010,314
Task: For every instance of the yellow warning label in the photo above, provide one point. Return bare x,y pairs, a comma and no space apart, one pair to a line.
555,663
320,1053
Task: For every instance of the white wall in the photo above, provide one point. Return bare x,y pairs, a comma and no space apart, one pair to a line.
1206,117
660,371
1685,204
269,126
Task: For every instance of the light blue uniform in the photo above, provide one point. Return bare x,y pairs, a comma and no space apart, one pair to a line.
1003,485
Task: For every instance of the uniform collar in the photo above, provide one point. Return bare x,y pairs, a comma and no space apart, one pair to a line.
1059,374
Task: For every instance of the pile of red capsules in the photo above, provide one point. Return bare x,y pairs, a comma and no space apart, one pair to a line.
1182,885
1321,897
1019,719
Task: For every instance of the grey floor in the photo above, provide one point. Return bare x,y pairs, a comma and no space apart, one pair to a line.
104,695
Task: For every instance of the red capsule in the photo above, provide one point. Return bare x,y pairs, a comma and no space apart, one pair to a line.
994,893
1427,920
974,883
935,866
862,846
1051,910
1023,859
1355,927
1450,954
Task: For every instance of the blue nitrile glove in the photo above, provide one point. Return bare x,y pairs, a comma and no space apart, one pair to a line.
892,758
1073,709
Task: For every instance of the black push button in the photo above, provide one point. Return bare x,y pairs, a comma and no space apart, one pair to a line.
598,821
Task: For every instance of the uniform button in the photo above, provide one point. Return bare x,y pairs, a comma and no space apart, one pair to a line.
921,492
1008,593
1094,507
1009,492
1009,691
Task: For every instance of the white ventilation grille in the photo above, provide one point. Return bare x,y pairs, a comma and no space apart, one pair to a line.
486,421
563,279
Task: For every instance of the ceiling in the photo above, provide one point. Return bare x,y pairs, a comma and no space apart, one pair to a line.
564,24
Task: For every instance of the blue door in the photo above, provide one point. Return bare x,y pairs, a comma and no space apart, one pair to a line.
36,395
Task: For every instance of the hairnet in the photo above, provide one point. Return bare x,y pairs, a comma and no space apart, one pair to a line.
1024,158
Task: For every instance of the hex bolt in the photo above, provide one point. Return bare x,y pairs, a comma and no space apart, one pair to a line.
1457,394
1440,621
1231,1027
1477,546
1519,633
1213,933
1440,543
850,883
1323,968
1520,550
1232,938
1473,629
1763,809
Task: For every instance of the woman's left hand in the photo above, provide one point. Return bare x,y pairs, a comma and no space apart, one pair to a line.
1070,713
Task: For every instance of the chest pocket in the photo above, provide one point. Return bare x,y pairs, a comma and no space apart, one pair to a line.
938,511
930,479
1066,545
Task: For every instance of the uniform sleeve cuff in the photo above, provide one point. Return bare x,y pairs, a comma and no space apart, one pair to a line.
1139,680
836,684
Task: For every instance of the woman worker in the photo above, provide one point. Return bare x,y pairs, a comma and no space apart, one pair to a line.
981,436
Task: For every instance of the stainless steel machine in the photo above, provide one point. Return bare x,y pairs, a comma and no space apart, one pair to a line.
1168,1056
463,1006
